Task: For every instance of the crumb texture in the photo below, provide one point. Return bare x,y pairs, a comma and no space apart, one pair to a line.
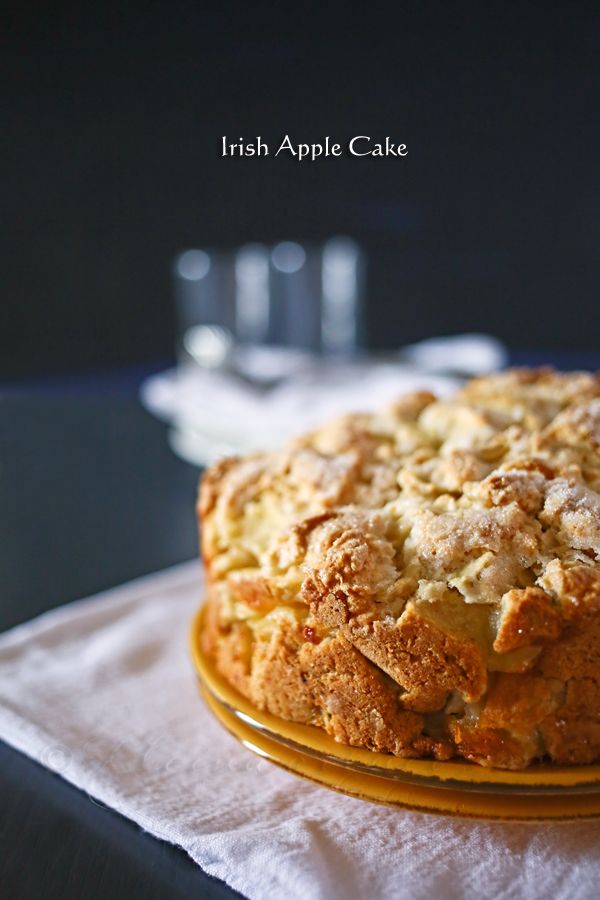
423,581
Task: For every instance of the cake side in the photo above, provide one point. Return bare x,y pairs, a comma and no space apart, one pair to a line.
422,581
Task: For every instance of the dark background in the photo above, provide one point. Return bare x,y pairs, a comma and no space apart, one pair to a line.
111,165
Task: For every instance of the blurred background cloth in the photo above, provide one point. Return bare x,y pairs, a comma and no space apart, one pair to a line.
111,139
215,412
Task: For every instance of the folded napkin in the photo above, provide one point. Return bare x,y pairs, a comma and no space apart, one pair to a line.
103,693
216,412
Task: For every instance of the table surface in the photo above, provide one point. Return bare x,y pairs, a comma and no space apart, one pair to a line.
90,497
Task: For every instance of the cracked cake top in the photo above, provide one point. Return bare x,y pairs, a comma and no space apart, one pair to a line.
445,540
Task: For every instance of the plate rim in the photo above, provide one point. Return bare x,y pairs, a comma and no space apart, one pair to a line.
450,775
407,796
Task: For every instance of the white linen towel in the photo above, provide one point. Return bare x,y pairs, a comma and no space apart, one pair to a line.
214,413
103,693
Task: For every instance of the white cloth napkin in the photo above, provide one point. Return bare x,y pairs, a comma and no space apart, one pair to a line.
215,413
103,693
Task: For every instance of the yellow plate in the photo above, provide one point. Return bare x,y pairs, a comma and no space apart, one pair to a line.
539,793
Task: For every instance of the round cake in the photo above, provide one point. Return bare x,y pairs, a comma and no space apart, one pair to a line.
423,581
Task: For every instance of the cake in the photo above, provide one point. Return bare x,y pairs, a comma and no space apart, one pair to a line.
422,581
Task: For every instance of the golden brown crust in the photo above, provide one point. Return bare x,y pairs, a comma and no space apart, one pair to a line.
277,683
493,747
421,657
529,617
424,580
358,705
210,485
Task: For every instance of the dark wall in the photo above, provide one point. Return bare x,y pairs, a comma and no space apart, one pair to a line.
112,165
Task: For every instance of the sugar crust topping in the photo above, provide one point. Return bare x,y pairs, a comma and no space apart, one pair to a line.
441,559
